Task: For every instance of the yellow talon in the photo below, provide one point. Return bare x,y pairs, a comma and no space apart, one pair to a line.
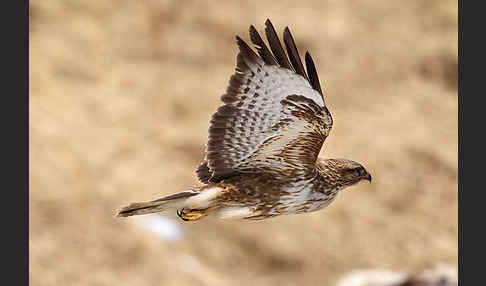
193,215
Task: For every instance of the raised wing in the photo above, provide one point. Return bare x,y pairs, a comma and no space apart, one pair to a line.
274,118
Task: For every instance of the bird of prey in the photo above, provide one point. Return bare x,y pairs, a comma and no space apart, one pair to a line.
262,152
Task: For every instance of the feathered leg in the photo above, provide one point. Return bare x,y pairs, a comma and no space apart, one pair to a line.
189,205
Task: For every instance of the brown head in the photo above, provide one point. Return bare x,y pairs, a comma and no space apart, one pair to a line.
341,173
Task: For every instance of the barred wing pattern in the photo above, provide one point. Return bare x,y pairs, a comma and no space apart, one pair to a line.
274,118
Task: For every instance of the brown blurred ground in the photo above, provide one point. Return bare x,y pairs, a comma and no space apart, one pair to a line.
121,93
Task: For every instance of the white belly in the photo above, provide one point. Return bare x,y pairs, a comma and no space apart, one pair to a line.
304,200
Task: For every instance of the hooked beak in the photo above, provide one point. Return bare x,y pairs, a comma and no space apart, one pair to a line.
367,177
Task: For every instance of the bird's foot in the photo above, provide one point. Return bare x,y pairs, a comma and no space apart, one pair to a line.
193,214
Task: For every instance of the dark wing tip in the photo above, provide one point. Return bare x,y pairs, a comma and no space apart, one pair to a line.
262,48
293,53
312,72
276,46
240,42
277,55
245,51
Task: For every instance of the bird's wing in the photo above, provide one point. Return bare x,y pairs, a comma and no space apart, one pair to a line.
274,118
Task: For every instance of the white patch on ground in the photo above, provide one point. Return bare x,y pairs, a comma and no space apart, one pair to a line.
441,274
161,226
169,230
372,277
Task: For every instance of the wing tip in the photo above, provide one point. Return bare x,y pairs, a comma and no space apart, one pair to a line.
293,53
277,56
312,73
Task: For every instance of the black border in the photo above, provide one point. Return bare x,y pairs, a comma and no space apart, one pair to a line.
15,139
471,120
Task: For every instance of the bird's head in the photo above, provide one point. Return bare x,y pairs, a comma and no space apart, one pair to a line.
342,172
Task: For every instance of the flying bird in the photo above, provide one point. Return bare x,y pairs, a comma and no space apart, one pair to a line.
263,145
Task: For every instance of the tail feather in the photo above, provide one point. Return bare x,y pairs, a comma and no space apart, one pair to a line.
158,205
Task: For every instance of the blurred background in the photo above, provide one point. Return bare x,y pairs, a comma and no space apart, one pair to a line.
121,94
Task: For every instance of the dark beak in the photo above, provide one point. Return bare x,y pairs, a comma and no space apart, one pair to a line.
368,177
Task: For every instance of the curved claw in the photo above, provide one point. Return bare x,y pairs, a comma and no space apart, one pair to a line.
181,214
194,214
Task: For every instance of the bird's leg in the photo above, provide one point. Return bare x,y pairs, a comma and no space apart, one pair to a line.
194,214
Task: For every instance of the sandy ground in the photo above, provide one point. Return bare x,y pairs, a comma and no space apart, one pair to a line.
121,93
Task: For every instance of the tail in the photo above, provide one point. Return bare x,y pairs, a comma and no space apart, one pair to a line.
159,205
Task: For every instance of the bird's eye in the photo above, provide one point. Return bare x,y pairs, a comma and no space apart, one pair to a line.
356,171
